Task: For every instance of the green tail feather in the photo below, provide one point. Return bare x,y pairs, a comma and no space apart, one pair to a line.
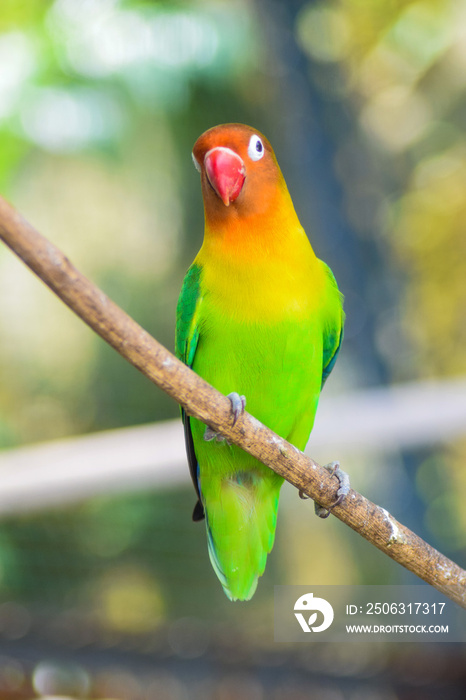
241,516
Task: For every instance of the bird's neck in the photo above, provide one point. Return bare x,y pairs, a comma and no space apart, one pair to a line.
271,233
260,267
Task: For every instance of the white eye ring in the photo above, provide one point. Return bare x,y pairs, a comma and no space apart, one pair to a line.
256,148
196,164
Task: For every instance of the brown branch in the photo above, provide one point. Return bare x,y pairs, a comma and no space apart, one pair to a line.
201,400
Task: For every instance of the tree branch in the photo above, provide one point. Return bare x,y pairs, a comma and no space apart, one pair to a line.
201,400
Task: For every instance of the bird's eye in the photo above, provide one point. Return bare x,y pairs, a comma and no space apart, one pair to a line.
256,148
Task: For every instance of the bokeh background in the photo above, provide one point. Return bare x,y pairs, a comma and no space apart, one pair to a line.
364,101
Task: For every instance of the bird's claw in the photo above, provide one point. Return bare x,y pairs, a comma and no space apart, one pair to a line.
238,404
343,478
211,434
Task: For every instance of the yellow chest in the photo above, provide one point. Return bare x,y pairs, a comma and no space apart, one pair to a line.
262,287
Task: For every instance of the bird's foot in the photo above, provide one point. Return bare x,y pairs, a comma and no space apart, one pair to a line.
238,404
210,434
343,478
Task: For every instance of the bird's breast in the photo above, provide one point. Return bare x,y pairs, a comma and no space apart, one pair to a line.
262,291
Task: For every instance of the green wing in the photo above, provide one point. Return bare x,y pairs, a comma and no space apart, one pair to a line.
186,340
333,331
187,330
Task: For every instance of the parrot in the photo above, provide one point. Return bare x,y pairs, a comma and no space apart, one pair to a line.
260,317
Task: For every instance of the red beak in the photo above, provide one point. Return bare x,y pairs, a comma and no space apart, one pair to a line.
225,171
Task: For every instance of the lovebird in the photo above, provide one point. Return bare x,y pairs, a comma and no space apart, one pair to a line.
259,317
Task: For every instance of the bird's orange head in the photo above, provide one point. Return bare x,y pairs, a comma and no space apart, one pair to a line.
240,175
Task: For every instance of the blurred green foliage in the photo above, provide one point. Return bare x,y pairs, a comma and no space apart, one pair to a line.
100,103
